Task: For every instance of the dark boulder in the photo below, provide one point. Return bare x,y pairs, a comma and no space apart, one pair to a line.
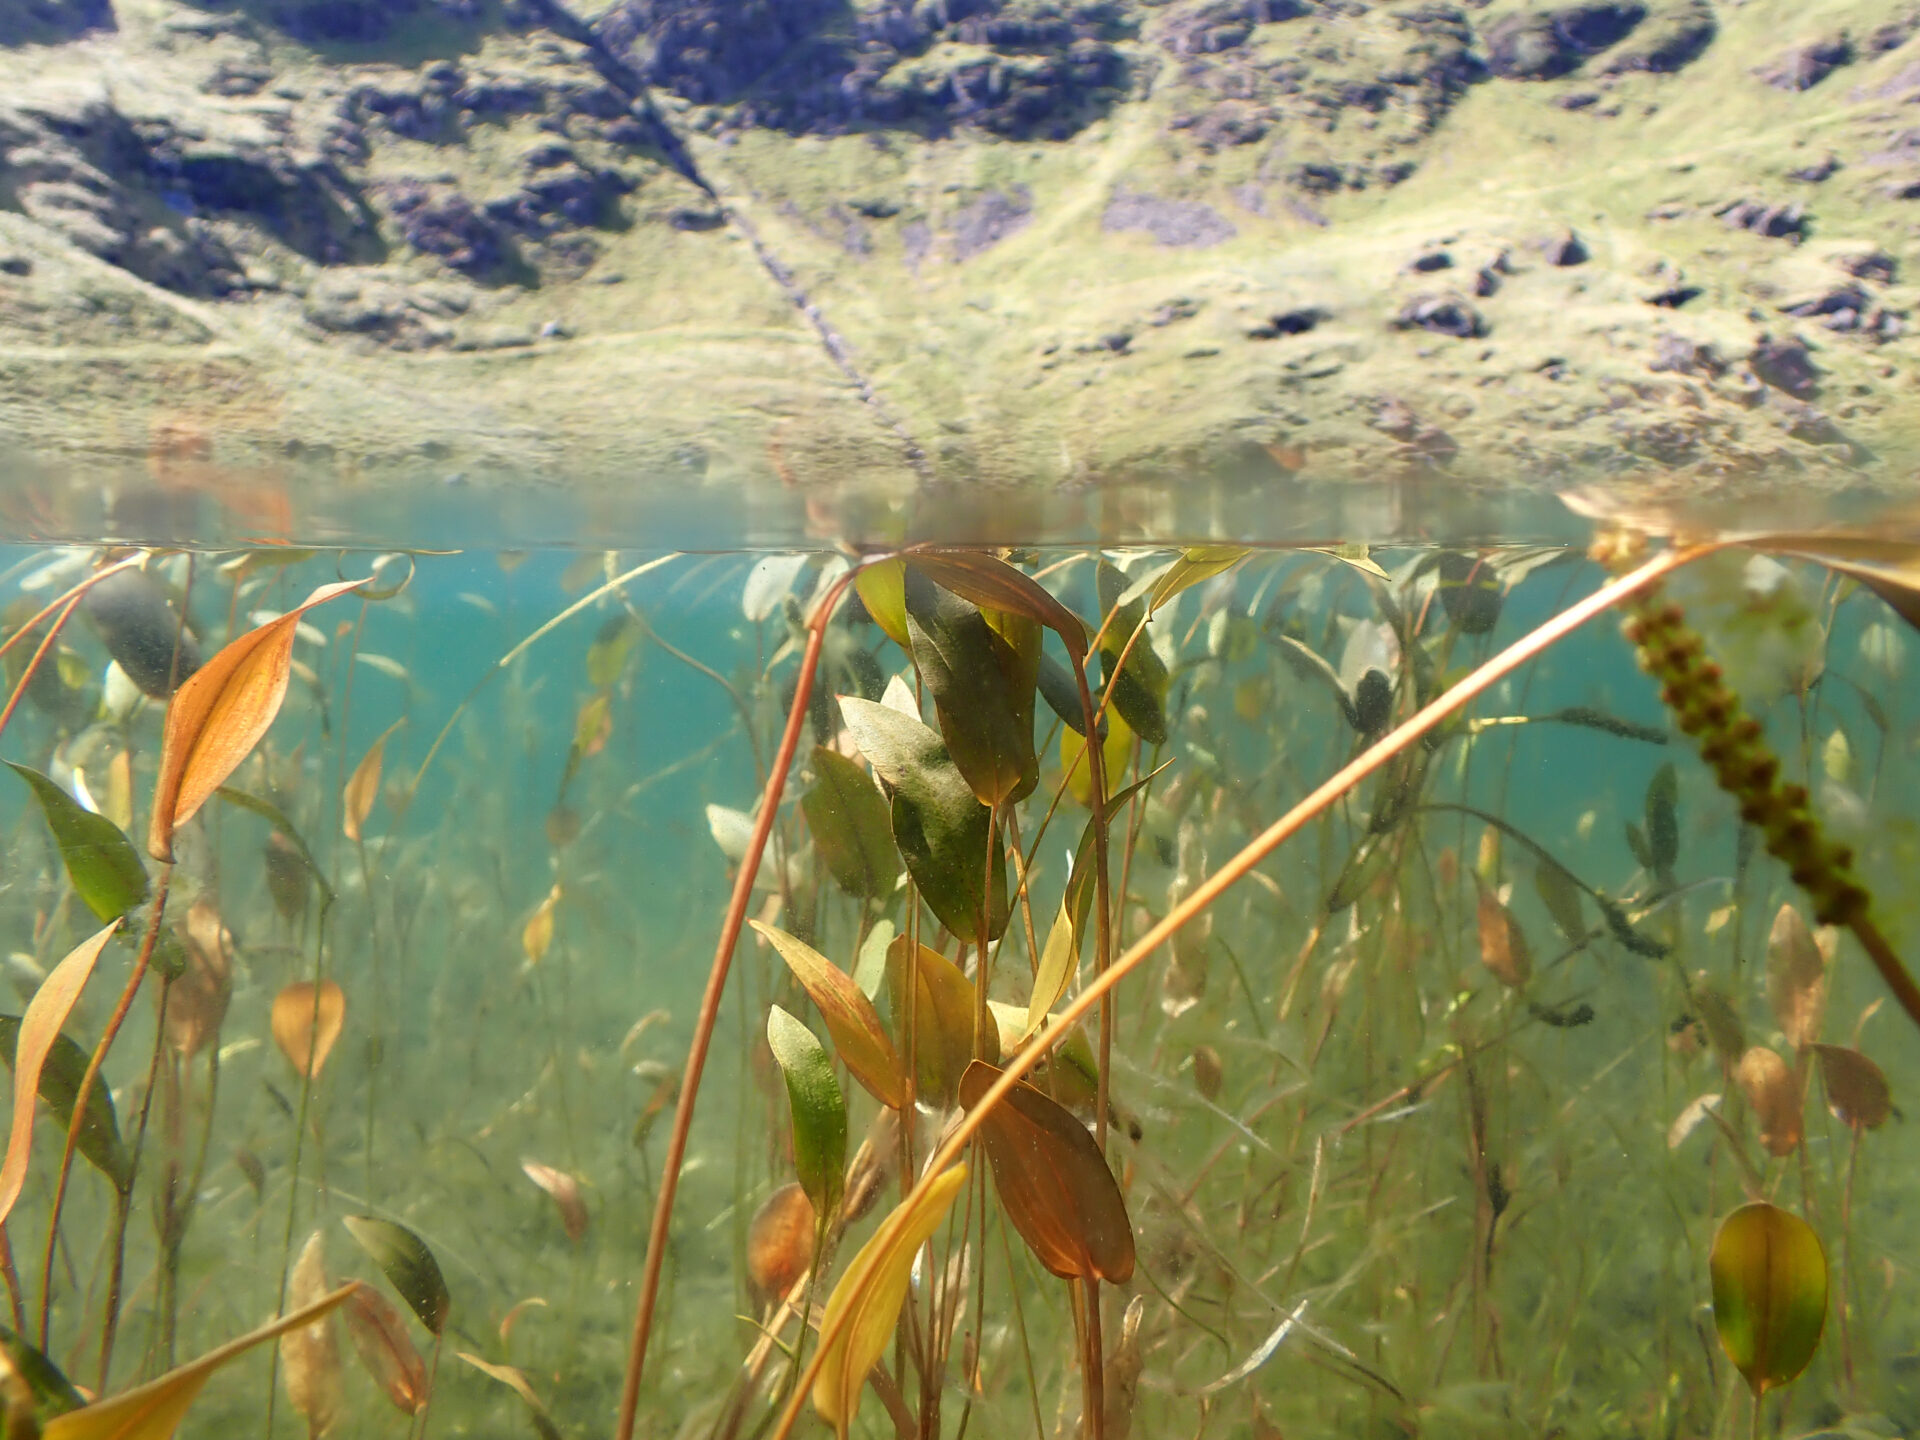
1787,365
1546,44
447,224
1445,314
1804,66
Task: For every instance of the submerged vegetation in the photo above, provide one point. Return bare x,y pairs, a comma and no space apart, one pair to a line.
1211,991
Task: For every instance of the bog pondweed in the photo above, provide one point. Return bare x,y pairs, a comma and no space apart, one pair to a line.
1349,1006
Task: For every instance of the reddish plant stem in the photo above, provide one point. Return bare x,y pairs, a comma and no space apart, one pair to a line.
85,1093
33,665
710,1014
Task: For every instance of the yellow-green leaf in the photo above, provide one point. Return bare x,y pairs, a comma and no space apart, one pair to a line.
1193,567
943,1017
1059,958
865,1316
1769,1293
515,1381
883,590
852,1022
154,1410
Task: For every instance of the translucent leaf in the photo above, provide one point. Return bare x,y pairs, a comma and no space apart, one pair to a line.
216,718
1690,1118
819,1110
1561,895
852,1022
536,936
306,1022
565,1191
1774,1096
1857,1090
768,584
408,1264
310,1355
1194,567
1503,945
1053,1181
380,1339
1796,979
1769,1293
607,655
1059,958
34,1043
291,845
943,1016
1309,664
101,862
1115,751
847,816
197,1004
871,1311
515,1381
882,589
153,1411
780,1242
363,787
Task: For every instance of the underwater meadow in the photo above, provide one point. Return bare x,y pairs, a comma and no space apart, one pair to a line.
1159,992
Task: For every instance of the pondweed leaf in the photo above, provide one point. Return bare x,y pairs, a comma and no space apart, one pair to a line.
536,937
1857,1090
142,632
993,584
363,787
982,687
1561,896
403,1257
1689,1119
607,655
1059,959
1208,1072
53,1394
197,1003
943,1016
1469,591
306,1022
310,1355
1194,567
1115,751
871,1311
101,862
819,1109
1138,692
218,715
882,588
1058,688
1796,979
1774,1096
1769,1293
515,1381
847,816
940,827
769,583
60,1077
1503,945
381,1341
852,1022
780,1242
565,1190
1053,1182
295,860
32,1045
154,1411
1663,822
1308,664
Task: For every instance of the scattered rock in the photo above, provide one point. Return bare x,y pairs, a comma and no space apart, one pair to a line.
11,264
990,218
687,217
1565,248
1804,66
1188,223
1820,170
1673,297
447,224
1578,100
1486,281
1547,43
1174,310
876,207
1673,37
1787,365
1443,314
1779,222
1297,321
1874,264
1433,260
1679,355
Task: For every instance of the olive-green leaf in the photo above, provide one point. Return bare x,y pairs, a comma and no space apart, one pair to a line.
943,1018
938,824
1663,821
993,584
607,655
275,817
851,827
819,1110
852,1022
60,1076
100,860
1769,1293
976,678
53,1394
403,1257
1139,691
1561,895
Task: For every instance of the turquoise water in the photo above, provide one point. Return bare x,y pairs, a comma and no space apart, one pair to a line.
1476,1188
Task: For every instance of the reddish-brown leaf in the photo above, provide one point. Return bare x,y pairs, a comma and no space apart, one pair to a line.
363,788
1796,979
381,1341
780,1243
565,1191
1774,1096
306,1023
1503,946
197,1003
1053,1181
1857,1090
219,714
852,1022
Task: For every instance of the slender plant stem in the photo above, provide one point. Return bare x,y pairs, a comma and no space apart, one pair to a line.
1363,765
110,1320
85,1093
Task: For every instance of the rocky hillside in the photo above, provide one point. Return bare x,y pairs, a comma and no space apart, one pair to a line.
1039,242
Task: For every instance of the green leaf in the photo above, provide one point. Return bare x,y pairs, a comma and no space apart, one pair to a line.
943,1016
851,1020
982,686
993,584
819,1110
1769,1293
53,1394
607,655
1561,895
1139,692
409,1266
1059,958
60,1077
938,824
273,815
105,868
881,588
851,828
1663,822
1192,568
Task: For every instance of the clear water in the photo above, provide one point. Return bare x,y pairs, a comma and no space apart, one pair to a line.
1489,1205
